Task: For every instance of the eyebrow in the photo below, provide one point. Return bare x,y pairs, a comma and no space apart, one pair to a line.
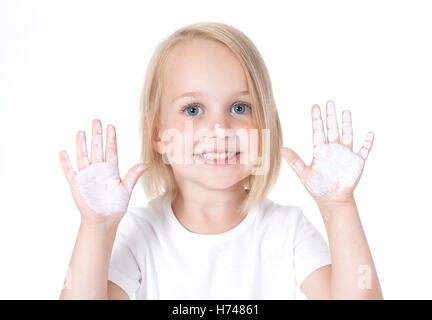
195,94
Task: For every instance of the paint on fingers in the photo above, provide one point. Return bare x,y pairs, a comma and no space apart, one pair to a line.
84,148
364,151
332,126
298,166
111,133
67,166
129,182
111,150
347,136
98,141
368,140
318,128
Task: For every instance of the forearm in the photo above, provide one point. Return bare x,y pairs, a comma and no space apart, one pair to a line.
354,274
87,276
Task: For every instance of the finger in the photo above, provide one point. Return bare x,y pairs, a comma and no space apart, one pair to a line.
133,175
317,126
111,145
332,125
97,141
296,163
68,171
81,150
367,145
347,132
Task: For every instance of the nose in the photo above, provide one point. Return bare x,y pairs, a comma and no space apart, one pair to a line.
220,131
223,136
220,126
216,133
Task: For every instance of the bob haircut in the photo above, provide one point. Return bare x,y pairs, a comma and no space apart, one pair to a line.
158,179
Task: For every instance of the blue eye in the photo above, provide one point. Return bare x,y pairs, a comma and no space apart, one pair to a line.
191,110
194,109
241,108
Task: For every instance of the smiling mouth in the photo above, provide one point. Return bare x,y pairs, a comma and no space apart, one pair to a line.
225,158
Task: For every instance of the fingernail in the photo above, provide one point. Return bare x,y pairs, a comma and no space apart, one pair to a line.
98,127
316,113
346,115
331,107
111,132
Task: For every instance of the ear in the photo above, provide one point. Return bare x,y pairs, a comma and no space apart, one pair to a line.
157,143
158,146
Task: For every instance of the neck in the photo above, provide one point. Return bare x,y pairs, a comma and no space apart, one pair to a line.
203,210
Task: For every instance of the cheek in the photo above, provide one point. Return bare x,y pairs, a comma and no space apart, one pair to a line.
172,134
250,141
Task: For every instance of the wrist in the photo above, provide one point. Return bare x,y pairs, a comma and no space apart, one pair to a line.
100,227
335,203
330,207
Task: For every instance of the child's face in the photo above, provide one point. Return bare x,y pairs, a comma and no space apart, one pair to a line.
218,120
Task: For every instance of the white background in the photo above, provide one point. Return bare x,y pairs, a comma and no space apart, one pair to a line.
64,63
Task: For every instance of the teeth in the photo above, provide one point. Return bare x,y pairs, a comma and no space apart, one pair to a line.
218,156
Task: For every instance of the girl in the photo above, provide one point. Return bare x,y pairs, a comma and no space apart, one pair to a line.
211,152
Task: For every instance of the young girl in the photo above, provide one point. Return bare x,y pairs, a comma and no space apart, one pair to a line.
211,152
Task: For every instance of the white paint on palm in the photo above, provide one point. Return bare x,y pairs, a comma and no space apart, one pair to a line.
100,186
335,168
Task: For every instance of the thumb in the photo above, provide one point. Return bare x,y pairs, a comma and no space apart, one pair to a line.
296,163
68,171
133,175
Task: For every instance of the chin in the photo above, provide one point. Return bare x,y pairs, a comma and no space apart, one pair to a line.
214,177
219,181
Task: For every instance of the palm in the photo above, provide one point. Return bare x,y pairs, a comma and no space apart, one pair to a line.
335,169
97,188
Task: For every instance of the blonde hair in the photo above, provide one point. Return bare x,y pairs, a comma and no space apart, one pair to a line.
159,179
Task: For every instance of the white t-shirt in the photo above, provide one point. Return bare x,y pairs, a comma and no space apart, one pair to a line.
270,252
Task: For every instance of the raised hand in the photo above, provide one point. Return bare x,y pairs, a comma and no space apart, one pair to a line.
97,189
335,169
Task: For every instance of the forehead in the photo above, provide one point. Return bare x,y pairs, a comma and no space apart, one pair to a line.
204,66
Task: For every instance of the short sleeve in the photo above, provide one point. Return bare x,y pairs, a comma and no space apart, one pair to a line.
123,269
311,251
